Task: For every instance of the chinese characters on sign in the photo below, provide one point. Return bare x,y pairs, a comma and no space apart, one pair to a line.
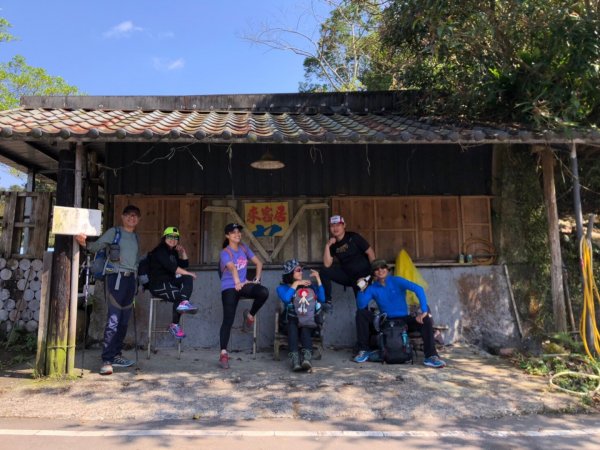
267,219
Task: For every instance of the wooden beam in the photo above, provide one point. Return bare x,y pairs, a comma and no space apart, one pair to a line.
558,295
229,210
295,220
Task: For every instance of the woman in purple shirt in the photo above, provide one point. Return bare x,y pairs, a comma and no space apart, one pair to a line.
233,267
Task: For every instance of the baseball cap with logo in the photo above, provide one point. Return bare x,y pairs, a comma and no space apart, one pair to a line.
336,219
232,226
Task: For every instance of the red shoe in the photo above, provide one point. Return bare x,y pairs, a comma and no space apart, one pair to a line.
248,320
224,361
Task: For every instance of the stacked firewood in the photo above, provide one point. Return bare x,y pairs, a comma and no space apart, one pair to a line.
20,293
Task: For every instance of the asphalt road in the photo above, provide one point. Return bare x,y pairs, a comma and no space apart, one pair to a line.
531,432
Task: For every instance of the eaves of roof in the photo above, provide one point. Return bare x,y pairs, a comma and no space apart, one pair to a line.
260,127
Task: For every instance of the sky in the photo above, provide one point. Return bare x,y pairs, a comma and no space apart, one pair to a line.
159,47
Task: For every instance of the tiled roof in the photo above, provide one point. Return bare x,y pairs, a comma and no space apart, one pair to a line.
251,126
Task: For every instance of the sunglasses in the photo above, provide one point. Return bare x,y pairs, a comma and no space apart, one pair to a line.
380,268
172,236
298,269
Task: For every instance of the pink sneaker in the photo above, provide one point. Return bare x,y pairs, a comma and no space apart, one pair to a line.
176,331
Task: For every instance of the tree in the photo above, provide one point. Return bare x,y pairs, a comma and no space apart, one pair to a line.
346,55
18,78
533,61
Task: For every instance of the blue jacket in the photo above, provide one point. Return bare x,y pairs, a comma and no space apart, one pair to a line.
286,293
391,298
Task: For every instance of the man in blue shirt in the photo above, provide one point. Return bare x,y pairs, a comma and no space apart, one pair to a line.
389,292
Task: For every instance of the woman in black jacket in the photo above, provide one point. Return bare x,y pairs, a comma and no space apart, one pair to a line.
168,278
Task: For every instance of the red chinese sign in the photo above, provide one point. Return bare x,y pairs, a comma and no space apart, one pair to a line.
267,219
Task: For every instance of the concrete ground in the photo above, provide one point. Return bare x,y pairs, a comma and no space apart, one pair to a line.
475,385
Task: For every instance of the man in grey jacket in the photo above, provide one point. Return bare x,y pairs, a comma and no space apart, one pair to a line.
120,286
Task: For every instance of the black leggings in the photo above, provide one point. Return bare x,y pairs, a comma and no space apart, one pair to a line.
230,299
174,291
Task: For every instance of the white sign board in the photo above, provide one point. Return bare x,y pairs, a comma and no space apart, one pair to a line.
75,221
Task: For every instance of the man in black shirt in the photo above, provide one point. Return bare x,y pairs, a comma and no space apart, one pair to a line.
353,253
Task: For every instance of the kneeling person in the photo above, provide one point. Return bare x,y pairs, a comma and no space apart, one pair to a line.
389,292
169,280
301,299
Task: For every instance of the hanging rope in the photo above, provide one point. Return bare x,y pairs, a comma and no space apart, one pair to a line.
590,296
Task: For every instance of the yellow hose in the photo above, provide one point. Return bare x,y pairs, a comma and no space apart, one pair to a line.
590,295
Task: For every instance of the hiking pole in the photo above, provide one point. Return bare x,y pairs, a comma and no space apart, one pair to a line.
86,293
135,333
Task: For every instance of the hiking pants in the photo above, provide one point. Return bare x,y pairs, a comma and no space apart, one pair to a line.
294,332
230,299
175,291
337,274
120,304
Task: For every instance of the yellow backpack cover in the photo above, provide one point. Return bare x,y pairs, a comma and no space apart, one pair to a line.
405,268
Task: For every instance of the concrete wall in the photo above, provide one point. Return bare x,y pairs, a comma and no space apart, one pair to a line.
473,301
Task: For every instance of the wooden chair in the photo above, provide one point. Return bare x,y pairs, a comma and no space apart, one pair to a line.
281,340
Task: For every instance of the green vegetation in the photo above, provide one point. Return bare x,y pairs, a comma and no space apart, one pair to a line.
563,361
18,78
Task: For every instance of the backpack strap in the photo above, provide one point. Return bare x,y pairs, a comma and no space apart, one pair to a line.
117,237
228,250
223,267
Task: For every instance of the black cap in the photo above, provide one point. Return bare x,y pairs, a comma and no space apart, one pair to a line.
232,226
132,209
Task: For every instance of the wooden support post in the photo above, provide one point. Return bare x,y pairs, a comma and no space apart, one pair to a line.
72,336
60,289
558,295
40,358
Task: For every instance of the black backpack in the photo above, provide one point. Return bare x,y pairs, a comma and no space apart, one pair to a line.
394,344
144,270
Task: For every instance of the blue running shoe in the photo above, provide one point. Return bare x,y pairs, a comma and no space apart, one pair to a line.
434,361
363,356
186,307
119,361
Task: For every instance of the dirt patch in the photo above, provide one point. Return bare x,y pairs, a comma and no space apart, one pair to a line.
474,385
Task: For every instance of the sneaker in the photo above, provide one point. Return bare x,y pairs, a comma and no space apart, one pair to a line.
248,319
119,361
176,331
106,368
363,356
224,361
186,307
434,361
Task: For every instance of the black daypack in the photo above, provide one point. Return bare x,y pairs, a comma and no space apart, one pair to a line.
144,270
394,344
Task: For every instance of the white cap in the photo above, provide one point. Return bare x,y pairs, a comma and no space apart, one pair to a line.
336,219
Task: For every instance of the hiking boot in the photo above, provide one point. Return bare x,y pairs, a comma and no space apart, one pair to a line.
327,307
119,361
106,368
185,307
224,361
306,357
434,361
363,356
176,331
295,361
248,320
